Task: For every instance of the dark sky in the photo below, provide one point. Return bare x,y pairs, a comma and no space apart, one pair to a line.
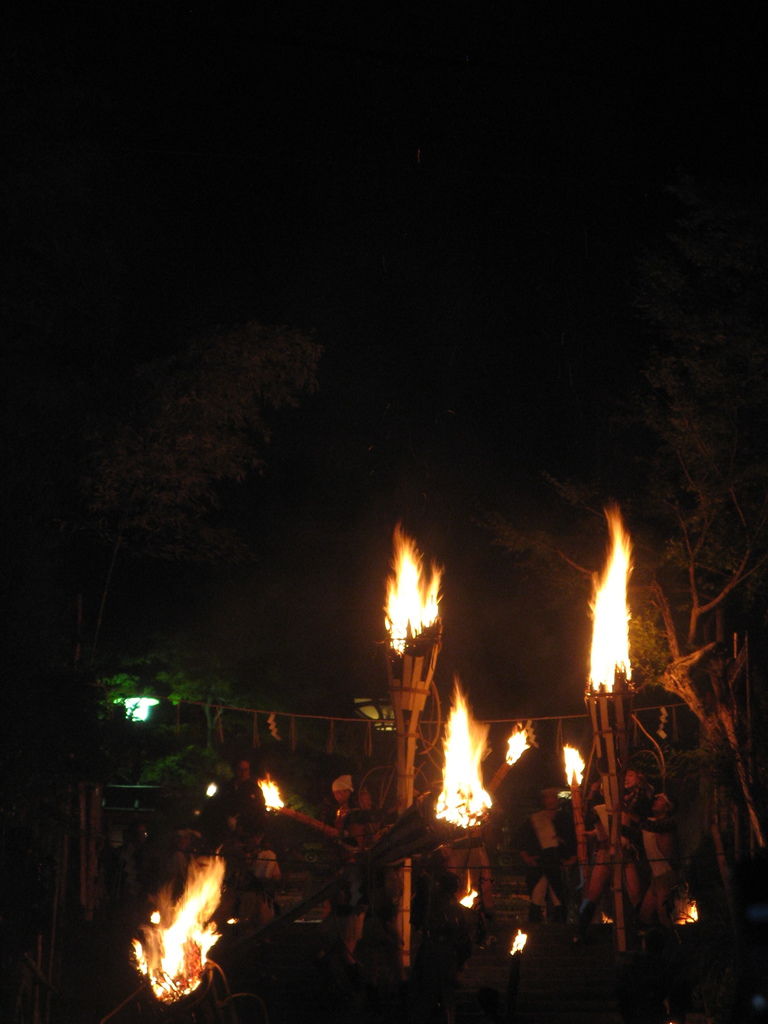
454,201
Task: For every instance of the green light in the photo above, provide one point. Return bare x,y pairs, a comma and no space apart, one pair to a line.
137,708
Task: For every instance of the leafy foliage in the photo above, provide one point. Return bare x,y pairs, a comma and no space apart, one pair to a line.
188,424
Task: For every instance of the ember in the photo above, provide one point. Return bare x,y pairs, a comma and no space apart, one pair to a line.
463,800
173,955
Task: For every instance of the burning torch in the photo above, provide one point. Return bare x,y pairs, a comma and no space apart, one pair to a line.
609,695
274,802
574,773
517,744
414,628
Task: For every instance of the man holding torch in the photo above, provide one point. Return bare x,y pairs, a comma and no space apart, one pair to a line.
546,843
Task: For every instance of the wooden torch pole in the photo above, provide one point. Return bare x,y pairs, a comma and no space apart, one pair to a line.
410,678
608,712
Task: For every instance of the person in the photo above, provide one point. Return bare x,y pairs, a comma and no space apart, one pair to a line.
184,848
547,842
243,801
257,901
635,805
365,822
343,803
659,846
134,871
468,859
445,943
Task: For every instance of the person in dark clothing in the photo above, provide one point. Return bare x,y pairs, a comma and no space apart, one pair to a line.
243,801
547,842
444,947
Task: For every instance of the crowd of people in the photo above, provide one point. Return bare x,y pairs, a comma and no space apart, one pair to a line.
362,907
558,886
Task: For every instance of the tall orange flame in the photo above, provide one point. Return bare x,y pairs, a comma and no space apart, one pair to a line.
173,956
463,800
412,594
272,797
574,765
610,612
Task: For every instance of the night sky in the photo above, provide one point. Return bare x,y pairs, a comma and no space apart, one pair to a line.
455,202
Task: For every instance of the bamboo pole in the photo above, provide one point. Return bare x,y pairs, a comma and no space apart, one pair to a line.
609,724
410,677
577,806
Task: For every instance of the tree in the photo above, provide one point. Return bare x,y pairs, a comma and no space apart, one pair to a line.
189,424
698,506
707,481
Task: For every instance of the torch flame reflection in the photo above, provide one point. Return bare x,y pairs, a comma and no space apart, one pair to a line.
574,765
412,596
272,797
173,957
610,613
463,800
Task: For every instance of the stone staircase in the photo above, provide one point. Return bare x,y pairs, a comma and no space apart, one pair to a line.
558,983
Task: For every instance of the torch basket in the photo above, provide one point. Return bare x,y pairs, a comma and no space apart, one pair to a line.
209,1004
415,832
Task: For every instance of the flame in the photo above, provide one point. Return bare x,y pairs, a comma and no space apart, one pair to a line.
412,597
518,943
517,745
686,911
469,897
272,797
174,956
463,801
610,613
574,765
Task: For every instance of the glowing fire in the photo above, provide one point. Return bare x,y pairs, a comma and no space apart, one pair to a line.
468,899
173,956
517,745
412,596
463,800
686,911
272,797
518,943
610,613
574,765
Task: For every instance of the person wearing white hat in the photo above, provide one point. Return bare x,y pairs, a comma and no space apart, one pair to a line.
342,790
